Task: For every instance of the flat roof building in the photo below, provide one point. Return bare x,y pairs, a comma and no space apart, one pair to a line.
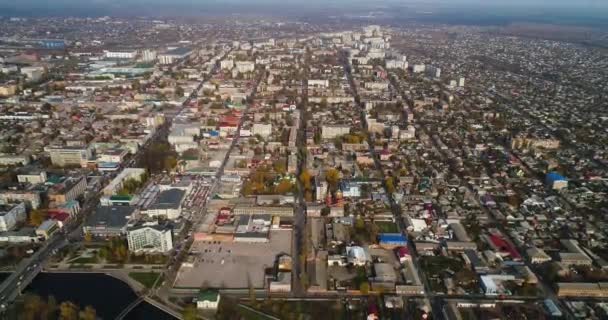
109,221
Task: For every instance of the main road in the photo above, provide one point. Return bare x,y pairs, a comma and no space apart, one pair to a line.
395,208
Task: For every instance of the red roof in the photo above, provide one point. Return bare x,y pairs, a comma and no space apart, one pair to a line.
504,246
402,251
59,215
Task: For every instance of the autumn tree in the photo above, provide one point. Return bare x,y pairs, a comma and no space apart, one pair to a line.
33,306
68,311
305,178
279,167
285,186
88,313
37,217
390,185
332,176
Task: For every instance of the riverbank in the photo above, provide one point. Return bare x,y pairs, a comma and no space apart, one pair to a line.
108,295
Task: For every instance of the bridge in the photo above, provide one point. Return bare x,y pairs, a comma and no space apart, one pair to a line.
28,269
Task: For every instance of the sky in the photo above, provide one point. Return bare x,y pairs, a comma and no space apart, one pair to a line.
194,7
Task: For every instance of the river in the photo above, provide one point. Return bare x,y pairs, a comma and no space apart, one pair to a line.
108,295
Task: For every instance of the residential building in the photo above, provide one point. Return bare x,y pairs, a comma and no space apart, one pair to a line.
120,54
69,156
116,184
32,199
32,177
264,130
150,237
174,55
245,66
227,64
14,160
67,190
11,215
333,131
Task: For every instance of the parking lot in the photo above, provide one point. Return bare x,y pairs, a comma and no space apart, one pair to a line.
232,264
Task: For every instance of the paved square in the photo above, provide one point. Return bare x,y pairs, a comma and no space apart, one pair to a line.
233,264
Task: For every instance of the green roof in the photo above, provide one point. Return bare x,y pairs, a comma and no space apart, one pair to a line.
54,180
121,198
208,295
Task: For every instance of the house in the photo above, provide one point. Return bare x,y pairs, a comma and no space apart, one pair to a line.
537,255
357,256
208,299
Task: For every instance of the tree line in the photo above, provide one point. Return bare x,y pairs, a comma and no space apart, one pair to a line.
35,307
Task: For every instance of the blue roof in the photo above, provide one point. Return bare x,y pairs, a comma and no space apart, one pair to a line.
393,238
554,176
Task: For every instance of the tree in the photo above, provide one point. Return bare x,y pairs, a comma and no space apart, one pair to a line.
136,85
390,185
37,217
360,224
33,306
189,312
88,313
52,307
308,196
68,311
285,186
325,211
332,176
279,167
179,91
88,237
305,179
364,288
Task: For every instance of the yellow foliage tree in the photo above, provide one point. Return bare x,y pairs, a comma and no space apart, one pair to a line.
37,217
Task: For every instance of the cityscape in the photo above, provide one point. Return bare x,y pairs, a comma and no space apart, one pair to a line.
322,167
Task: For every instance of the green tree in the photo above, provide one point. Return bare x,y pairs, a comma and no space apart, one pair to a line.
189,312
364,288
360,224
179,91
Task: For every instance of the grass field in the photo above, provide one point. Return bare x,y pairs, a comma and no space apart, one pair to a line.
387,227
146,278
